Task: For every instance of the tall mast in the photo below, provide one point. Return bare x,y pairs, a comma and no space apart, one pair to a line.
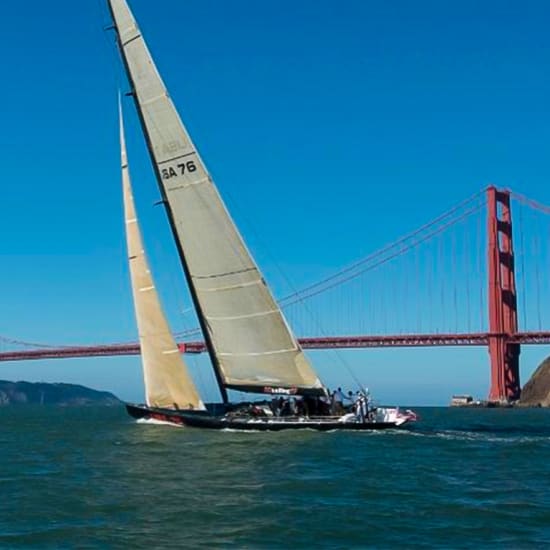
250,344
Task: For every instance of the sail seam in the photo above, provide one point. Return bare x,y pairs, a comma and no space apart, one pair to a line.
146,102
257,353
246,316
217,275
175,158
190,184
230,287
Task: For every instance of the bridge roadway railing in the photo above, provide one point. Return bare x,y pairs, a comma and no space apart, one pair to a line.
329,342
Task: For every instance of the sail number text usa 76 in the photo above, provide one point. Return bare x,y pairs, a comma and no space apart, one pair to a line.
178,170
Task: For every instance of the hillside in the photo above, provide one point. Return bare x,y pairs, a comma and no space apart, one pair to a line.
41,393
536,393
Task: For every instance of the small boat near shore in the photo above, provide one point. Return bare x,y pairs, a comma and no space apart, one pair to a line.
252,348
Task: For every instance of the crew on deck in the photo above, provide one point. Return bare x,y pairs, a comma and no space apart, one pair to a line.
333,404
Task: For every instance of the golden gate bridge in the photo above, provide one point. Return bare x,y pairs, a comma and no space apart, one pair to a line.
476,277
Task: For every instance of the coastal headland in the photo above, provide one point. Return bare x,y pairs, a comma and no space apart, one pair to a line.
41,393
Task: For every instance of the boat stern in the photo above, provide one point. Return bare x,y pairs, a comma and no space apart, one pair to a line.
395,415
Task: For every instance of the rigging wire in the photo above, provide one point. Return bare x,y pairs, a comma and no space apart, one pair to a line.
319,328
401,249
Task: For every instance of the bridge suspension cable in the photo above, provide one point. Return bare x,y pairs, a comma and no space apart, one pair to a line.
392,250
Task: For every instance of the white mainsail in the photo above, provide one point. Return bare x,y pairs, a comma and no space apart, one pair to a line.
167,380
250,344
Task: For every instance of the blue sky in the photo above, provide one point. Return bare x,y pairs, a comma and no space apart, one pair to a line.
331,128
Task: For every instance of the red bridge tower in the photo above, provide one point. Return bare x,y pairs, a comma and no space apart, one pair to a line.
503,319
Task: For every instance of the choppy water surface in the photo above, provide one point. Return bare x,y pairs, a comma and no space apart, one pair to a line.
94,478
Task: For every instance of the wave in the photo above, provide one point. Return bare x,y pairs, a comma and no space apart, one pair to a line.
155,422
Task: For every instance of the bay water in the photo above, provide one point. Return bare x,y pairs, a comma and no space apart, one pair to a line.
91,477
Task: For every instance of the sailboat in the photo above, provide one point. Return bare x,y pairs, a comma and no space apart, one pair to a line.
250,344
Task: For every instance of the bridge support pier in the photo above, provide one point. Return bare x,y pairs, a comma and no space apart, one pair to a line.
503,321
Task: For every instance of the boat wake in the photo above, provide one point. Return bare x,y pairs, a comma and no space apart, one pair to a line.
247,431
155,422
482,436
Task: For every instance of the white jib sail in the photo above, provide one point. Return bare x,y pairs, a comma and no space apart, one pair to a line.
167,380
252,342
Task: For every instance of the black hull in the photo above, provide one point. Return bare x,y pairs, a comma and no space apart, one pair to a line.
205,420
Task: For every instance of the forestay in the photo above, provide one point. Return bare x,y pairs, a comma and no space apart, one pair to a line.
167,380
248,338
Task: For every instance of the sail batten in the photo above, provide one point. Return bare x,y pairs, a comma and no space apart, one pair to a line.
243,326
168,383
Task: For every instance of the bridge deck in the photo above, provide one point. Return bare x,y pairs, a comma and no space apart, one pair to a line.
332,342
